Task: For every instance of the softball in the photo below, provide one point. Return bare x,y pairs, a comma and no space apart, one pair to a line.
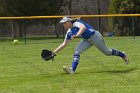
15,42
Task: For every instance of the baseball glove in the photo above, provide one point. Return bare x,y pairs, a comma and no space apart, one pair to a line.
47,55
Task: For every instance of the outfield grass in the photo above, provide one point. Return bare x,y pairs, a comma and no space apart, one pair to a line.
23,71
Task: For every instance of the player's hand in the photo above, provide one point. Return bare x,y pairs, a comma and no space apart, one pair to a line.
73,37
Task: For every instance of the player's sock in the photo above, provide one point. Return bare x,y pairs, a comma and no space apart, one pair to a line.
75,62
117,53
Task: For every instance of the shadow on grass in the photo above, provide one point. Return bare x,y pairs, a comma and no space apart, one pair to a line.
117,71
51,75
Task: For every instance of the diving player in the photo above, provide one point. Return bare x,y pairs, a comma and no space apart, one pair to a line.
78,28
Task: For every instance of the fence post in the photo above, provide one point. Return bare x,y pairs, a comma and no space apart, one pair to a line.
133,26
25,34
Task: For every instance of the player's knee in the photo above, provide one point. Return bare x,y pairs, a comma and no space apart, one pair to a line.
77,53
107,53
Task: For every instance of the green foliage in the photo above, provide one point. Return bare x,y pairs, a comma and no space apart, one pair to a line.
31,7
125,25
23,71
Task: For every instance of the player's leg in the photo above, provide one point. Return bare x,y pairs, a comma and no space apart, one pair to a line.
81,47
100,44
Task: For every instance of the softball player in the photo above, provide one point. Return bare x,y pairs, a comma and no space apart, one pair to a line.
78,28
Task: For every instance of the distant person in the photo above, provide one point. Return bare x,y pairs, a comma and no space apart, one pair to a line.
78,28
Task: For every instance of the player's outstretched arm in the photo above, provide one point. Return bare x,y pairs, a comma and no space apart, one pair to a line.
60,47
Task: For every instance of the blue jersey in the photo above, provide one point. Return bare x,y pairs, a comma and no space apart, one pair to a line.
74,30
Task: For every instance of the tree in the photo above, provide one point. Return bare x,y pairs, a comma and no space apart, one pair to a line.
29,8
126,24
32,7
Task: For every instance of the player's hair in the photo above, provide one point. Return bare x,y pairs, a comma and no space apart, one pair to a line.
74,19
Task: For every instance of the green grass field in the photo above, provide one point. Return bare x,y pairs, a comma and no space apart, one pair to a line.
23,71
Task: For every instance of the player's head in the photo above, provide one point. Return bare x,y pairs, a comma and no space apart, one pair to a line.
66,19
67,22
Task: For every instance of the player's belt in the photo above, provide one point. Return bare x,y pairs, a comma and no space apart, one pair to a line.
92,31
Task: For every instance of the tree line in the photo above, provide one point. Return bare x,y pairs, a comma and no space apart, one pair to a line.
29,8
124,25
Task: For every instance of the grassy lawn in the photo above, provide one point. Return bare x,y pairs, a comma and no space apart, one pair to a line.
23,71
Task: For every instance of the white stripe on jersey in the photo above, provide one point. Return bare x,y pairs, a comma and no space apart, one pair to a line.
67,33
92,30
78,24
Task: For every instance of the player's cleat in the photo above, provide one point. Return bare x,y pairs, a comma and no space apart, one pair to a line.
125,58
68,70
